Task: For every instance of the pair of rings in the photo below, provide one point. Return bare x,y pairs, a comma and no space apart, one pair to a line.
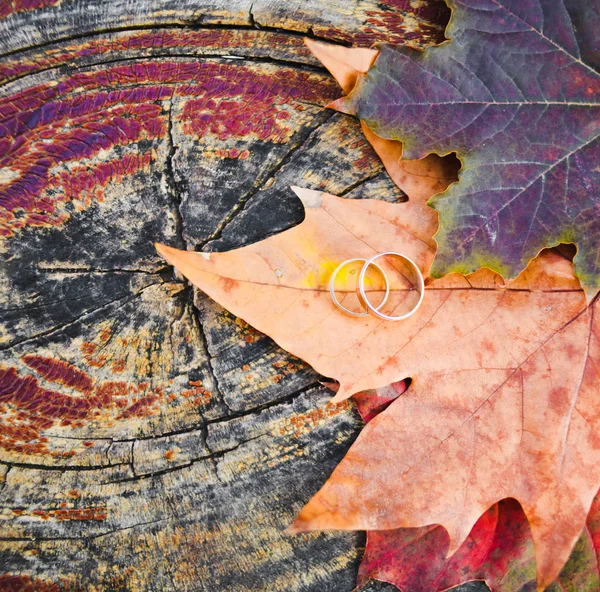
364,300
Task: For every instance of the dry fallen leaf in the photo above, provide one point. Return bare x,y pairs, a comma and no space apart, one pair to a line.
504,388
498,550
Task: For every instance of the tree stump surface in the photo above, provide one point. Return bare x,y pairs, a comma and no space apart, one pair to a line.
149,440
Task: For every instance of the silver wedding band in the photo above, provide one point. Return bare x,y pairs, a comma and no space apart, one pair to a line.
365,302
418,276
339,304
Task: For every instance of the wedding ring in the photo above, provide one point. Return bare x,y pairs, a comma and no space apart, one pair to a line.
420,285
363,273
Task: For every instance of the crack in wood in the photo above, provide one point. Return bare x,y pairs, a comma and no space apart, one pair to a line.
203,429
74,270
240,207
85,537
212,456
193,26
360,182
125,300
173,189
210,358
6,469
61,468
298,65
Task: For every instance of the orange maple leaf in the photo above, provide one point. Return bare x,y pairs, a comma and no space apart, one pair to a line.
504,383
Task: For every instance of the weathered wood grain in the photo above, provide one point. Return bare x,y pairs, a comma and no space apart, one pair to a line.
28,23
148,439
